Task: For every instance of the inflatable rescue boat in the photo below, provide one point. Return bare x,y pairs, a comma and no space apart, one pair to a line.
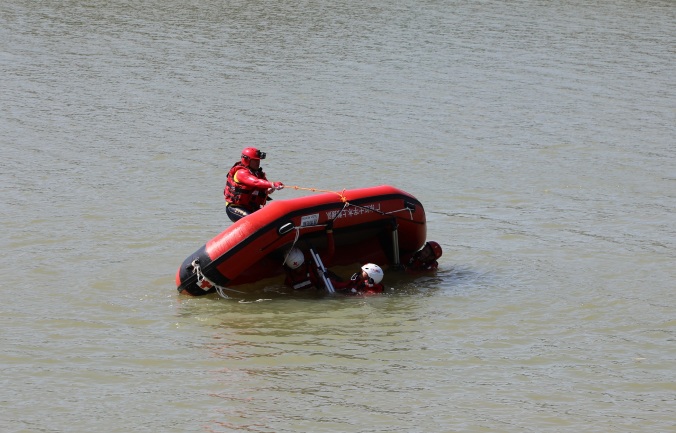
381,224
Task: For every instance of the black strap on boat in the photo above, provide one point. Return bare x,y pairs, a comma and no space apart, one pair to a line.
395,244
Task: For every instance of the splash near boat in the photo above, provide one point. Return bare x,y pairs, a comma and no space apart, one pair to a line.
380,224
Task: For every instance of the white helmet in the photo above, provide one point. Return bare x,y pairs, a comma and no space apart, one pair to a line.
294,258
374,272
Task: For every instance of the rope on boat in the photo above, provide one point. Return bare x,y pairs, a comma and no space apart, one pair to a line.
347,204
340,194
286,256
343,198
410,211
201,278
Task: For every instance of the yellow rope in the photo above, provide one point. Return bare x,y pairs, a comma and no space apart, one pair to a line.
340,194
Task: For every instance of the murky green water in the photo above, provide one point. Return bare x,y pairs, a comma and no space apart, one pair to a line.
539,137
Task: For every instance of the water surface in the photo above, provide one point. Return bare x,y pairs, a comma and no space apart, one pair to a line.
538,136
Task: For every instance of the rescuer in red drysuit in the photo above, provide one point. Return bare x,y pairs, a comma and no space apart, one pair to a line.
425,259
246,188
363,283
301,271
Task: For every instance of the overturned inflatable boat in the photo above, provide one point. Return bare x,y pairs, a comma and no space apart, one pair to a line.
381,224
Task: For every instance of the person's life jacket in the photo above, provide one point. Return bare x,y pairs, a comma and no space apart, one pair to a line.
238,194
305,279
419,265
355,287
308,276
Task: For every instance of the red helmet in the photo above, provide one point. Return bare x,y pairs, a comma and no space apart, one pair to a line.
250,153
436,249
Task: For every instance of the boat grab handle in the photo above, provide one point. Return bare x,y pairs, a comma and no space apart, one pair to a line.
286,228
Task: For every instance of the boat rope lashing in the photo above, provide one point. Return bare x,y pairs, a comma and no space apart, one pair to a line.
202,281
221,293
410,211
206,284
286,256
340,212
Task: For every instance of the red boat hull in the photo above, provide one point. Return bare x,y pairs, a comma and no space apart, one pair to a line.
380,224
